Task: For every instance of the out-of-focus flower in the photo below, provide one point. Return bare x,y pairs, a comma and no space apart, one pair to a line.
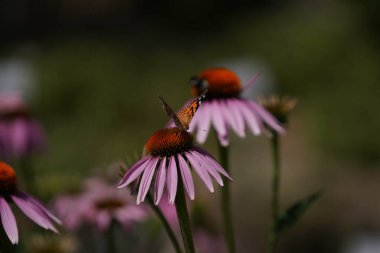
9,193
20,134
97,206
224,108
51,244
207,243
280,107
171,152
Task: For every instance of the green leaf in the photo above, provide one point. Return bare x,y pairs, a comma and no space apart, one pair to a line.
293,213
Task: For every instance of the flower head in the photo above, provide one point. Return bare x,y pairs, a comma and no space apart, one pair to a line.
9,193
224,108
171,156
20,134
280,107
97,206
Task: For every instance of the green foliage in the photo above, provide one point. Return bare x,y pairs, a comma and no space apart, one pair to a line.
290,217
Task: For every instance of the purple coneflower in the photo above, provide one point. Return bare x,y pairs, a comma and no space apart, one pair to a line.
9,193
98,205
20,134
171,152
224,108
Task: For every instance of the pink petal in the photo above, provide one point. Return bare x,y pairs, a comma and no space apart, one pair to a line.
134,172
268,118
186,177
232,117
231,104
224,140
250,117
46,211
209,167
8,220
204,122
146,179
201,171
217,118
33,212
172,180
160,182
209,158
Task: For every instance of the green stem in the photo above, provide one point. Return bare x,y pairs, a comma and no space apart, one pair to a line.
165,223
226,203
183,218
273,239
110,237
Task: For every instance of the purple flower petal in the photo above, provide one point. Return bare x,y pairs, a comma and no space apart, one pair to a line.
209,167
46,211
267,117
203,123
33,211
252,120
233,118
172,180
8,220
146,179
217,118
186,177
160,181
208,157
134,172
201,171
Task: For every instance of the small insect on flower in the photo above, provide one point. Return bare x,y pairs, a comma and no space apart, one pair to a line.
224,107
172,156
9,193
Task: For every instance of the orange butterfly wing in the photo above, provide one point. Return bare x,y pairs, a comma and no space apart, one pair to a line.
183,118
187,113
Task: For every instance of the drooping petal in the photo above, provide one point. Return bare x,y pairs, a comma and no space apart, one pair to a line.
217,118
187,179
8,220
224,140
33,212
38,203
134,172
209,167
146,179
160,182
252,120
231,116
172,179
201,171
267,118
208,157
235,113
204,122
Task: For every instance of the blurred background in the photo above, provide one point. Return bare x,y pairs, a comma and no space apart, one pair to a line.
91,72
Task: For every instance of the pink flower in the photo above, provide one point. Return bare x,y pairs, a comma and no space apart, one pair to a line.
225,109
97,206
9,193
171,154
20,134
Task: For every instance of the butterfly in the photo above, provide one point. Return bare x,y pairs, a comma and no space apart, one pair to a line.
185,115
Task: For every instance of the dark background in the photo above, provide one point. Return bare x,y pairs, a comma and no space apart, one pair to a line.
92,71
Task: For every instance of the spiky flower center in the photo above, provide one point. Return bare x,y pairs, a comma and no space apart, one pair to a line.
220,83
169,141
109,204
8,179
